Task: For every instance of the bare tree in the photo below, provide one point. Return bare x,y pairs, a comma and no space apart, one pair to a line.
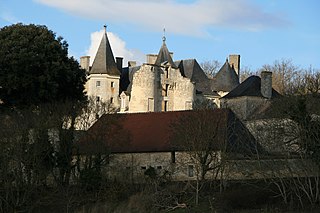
200,136
210,67
292,162
246,72
285,75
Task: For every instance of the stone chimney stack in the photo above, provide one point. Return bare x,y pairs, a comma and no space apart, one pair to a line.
151,58
266,84
119,61
234,61
85,62
132,63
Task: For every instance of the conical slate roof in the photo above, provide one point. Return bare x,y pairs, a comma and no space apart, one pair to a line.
104,62
226,79
164,55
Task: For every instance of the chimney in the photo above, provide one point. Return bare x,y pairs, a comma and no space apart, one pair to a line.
85,62
234,61
132,63
119,61
151,58
266,84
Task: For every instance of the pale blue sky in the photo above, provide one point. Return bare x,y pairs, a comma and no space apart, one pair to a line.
260,31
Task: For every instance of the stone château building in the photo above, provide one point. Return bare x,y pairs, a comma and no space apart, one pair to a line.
160,84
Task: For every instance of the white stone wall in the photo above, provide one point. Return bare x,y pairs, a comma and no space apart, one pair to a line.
149,83
181,91
107,88
145,86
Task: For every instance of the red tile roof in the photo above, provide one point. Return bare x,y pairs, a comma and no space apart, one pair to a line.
143,132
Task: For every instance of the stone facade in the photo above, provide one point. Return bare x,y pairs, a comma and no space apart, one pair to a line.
130,167
158,85
156,89
104,87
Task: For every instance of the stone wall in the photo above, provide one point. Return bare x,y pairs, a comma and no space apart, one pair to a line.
179,166
145,88
130,167
153,87
105,87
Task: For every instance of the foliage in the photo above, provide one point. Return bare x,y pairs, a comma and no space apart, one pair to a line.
35,67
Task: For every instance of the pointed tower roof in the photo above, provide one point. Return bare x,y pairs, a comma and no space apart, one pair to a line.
164,55
226,79
104,62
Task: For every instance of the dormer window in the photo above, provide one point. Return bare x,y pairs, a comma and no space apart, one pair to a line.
98,83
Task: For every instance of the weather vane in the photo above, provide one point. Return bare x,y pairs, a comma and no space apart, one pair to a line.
105,28
164,35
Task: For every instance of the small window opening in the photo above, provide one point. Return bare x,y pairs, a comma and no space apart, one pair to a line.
190,171
173,157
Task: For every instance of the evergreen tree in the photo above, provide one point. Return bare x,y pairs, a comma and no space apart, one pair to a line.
35,67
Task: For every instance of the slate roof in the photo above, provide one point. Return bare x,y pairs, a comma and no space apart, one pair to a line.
191,69
152,132
250,87
104,62
164,56
226,79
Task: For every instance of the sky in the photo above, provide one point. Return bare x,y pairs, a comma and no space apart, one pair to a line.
260,31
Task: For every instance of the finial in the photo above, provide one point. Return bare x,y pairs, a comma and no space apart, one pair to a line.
164,35
105,28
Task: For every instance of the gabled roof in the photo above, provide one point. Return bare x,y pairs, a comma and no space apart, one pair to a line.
164,55
250,87
152,132
104,62
226,79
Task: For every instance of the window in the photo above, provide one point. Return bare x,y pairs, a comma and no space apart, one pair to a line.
167,72
123,103
111,100
98,83
165,90
98,99
164,106
190,171
112,84
173,157
150,105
